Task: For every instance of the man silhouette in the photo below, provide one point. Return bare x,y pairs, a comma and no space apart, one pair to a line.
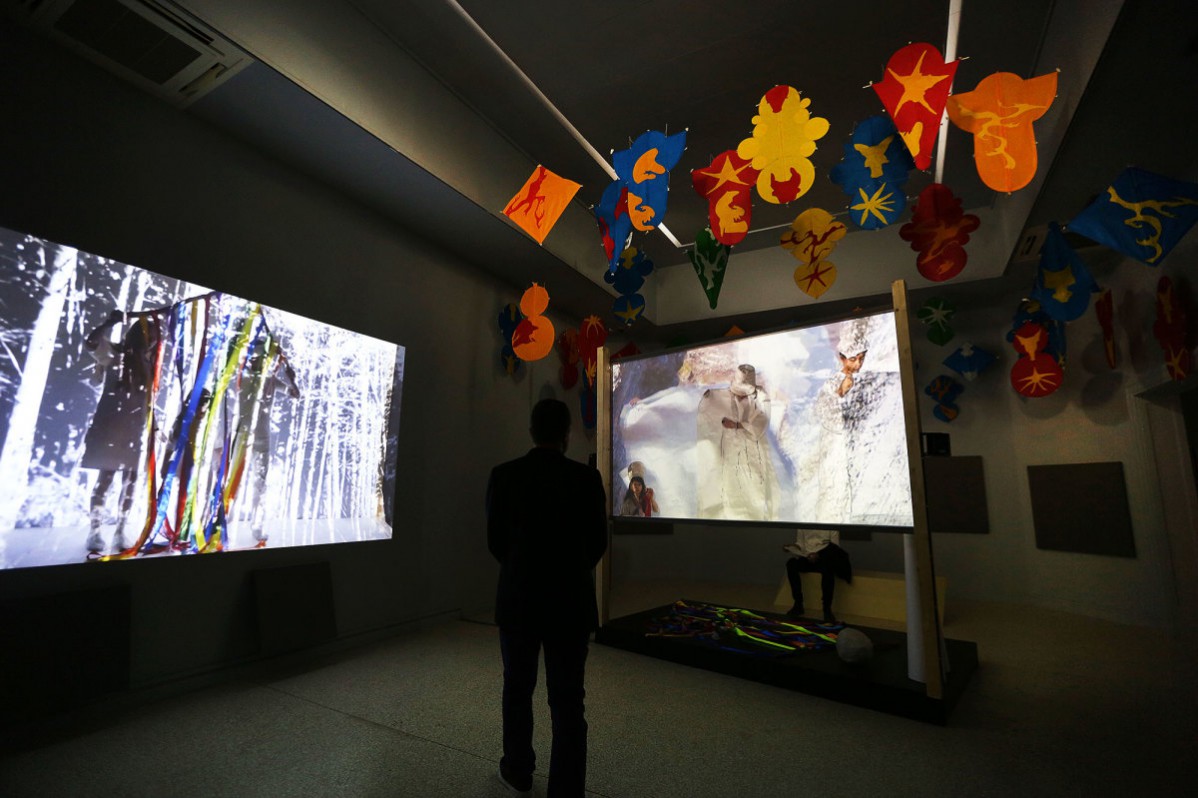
546,525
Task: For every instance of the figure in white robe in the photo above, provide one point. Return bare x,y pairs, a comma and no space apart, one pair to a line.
736,478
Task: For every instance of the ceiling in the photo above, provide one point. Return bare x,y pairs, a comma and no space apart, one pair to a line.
433,112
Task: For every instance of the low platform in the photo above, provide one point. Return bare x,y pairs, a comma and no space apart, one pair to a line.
880,684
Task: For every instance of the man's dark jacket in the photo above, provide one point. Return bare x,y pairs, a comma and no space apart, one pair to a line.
547,527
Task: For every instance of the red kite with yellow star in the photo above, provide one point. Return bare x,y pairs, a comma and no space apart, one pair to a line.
914,92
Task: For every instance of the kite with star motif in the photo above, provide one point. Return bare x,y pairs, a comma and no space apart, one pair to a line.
1171,330
710,259
936,314
1142,214
939,230
1035,372
592,334
875,166
615,225
1063,283
914,92
534,335
540,203
1029,310
944,390
727,185
999,113
1104,308
969,361
811,238
645,170
627,279
783,140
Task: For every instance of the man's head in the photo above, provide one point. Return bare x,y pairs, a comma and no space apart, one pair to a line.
851,364
549,424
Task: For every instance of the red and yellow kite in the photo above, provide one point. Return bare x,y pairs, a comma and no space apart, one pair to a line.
534,336
540,203
1036,373
914,91
938,231
783,140
811,238
727,185
999,113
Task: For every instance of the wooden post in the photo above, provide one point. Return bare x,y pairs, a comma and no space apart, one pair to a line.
923,540
603,463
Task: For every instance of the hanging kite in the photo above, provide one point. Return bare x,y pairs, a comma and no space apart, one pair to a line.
936,313
939,231
875,166
969,361
1029,310
627,279
1171,330
592,334
645,170
509,318
1063,283
1035,373
710,259
945,390
534,336
999,113
567,351
615,225
1104,308
783,140
914,92
811,238
1143,215
727,185
540,203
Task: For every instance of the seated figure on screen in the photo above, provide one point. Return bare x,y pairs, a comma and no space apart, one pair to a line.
816,550
638,500
114,440
735,469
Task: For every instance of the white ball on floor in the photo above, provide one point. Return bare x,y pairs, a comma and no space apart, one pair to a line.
853,646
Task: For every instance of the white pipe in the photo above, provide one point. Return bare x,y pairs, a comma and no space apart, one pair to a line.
950,55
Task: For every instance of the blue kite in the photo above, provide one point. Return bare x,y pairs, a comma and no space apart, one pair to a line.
627,279
1063,283
1142,214
615,225
644,169
875,166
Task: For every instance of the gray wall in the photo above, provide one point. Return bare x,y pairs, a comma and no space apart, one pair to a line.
91,162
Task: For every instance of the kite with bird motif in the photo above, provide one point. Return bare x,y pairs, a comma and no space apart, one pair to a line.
783,140
534,336
509,318
1035,373
645,170
939,230
875,166
999,113
914,92
615,225
727,185
1063,283
627,279
1142,214
945,390
710,259
540,203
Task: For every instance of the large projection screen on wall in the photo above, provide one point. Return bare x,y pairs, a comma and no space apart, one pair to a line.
802,427
144,416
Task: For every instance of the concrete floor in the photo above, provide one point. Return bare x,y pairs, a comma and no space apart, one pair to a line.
1061,705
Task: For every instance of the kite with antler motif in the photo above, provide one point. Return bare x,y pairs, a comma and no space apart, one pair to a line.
811,238
999,113
1143,215
710,259
914,92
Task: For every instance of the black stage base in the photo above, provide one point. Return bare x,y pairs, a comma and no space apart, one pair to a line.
880,684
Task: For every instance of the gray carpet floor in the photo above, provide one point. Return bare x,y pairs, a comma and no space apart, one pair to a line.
1061,705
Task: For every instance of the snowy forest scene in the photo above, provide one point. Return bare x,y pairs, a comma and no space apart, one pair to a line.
802,426
142,416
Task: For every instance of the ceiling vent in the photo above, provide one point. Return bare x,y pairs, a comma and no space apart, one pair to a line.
151,44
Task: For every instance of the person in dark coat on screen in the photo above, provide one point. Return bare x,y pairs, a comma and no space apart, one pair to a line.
547,527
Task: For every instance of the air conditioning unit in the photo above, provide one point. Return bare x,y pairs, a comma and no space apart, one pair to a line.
152,44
